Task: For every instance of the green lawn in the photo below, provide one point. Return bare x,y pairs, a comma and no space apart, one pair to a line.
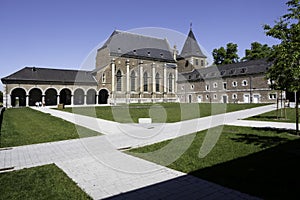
45,182
272,116
160,113
23,126
260,162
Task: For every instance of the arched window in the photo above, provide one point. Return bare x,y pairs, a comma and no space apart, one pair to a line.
132,81
170,82
103,77
145,82
119,80
157,82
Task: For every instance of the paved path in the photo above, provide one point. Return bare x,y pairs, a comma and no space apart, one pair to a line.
103,171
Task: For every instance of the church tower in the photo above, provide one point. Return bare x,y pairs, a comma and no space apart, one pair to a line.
191,52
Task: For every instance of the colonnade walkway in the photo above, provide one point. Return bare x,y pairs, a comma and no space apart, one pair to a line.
100,168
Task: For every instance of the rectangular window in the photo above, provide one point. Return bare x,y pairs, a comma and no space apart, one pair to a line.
197,62
206,87
202,63
272,96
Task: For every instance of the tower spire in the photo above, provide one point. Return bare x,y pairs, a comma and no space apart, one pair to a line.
191,25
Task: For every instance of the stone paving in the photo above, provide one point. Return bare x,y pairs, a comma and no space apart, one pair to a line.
103,171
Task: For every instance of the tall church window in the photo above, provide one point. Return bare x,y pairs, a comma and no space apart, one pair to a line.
119,80
157,82
132,81
170,82
145,82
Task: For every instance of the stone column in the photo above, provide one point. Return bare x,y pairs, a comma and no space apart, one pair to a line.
27,100
72,99
85,99
141,76
113,68
153,78
5,96
43,100
175,80
165,78
127,76
58,99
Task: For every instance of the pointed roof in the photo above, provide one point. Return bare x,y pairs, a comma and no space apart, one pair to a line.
191,47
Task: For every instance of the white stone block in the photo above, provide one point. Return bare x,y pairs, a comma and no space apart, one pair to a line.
145,120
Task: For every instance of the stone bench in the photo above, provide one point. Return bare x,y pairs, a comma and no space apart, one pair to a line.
145,120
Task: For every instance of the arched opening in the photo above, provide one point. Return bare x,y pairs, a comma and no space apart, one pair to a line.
65,97
91,96
170,82
18,97
132,81
78,97
103,96
157,82
119,81
51,97
145,82
35,95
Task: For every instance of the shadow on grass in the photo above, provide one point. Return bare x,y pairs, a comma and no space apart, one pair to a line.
271,174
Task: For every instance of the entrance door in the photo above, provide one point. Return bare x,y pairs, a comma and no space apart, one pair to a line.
246,98
190,98
256,98
224,99
199,99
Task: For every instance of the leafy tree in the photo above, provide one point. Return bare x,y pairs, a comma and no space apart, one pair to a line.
257,51
1,97
285,72
219,55
226,56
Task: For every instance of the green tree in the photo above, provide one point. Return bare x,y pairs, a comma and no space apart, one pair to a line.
1,97
285,72
226,56
257,51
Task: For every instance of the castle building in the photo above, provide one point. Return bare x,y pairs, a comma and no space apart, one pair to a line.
133,68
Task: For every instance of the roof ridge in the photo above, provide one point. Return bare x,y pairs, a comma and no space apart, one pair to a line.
59,69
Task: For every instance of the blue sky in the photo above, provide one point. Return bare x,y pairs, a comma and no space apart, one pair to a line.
61,33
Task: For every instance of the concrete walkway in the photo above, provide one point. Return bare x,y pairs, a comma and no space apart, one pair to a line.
102,171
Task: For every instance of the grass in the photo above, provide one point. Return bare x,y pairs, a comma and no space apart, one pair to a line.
260,162
23,126
272,116
160,113
44,182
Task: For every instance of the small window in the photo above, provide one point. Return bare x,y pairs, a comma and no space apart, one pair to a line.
215,96
202,63
134,51
232,71
197,62
186,63
243,70
192,87
161,55
182,87
234,96
207,87
224,86
103,78
190,77
215,85
148,53
234,84
207,96
273,96
223,72
244,83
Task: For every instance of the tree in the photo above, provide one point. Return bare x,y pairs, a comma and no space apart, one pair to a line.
257,51
285,71
226,56
1,97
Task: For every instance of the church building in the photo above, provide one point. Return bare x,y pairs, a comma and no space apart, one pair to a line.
133,68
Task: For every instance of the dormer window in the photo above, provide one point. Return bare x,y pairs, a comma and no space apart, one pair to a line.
119,50
223,72
149,53
232,71
134,51
161,55
197,62
202,63
243,70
